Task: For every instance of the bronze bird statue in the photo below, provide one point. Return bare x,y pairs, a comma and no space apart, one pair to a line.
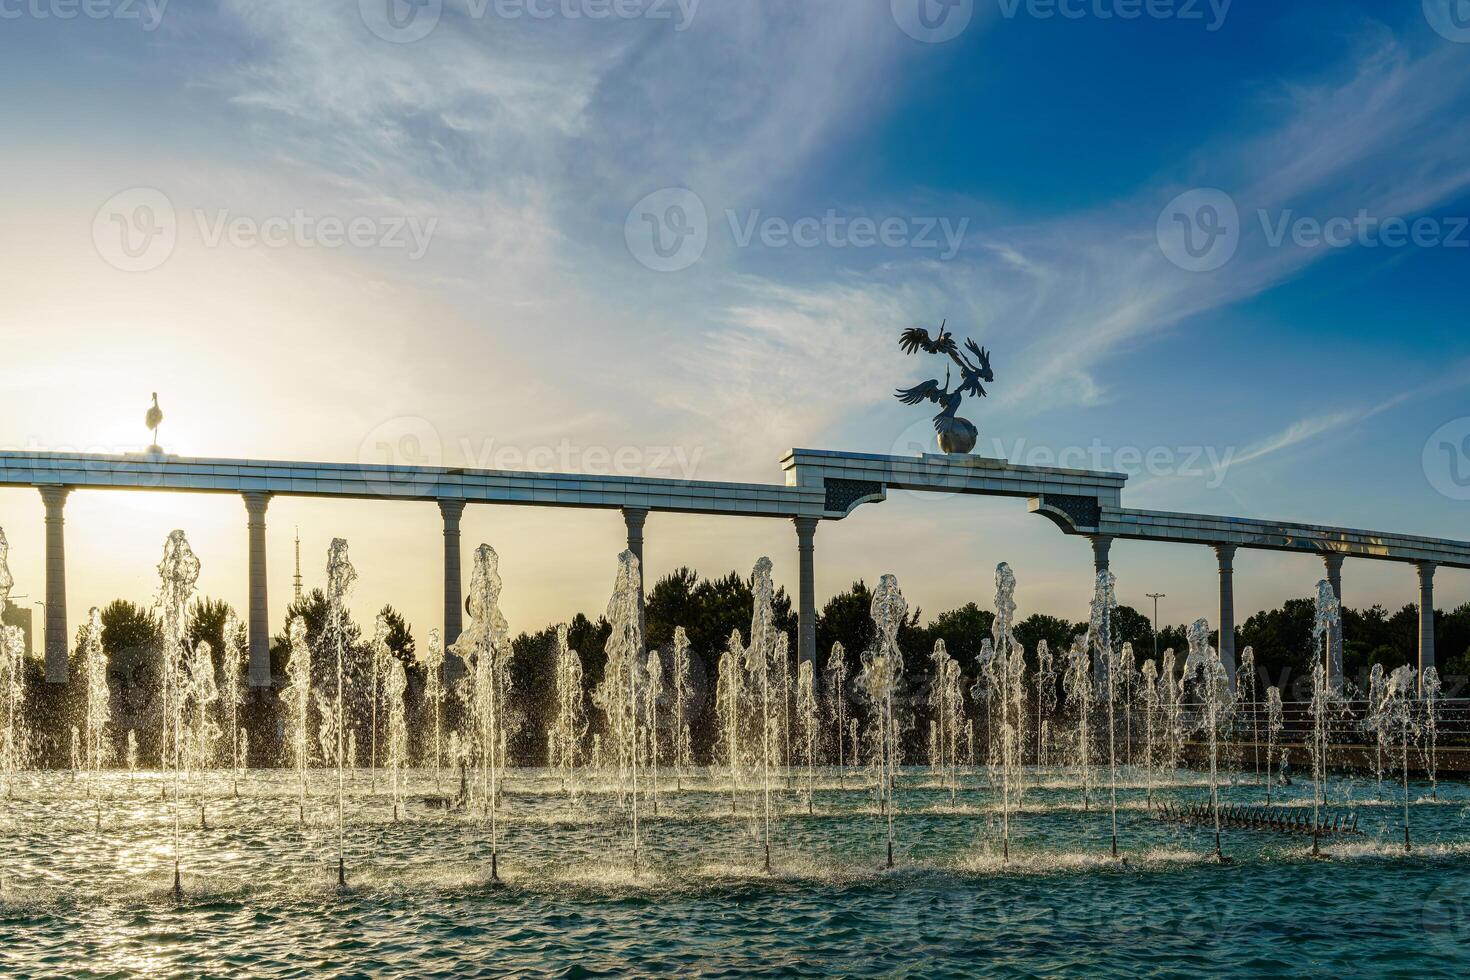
956,435
153,420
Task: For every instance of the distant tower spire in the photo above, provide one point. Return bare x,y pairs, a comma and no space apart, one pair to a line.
297,577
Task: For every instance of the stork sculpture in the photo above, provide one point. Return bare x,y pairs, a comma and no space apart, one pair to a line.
153,420
956,435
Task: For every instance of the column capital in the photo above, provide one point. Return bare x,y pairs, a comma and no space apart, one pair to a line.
256,501
54,497
1333,560
806,527
451,509
1226,555
1426,571
635,517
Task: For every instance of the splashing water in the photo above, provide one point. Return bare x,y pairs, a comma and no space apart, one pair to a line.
99,699
1246,672
683,745
1077,684
13,753
619,694
395,692
1275,722
485,648
762,658
233,695
729,709
1373,723
178,573
340,578
1149,692
297,698
200,693
806,717
1046,698
569,726
837,707
431,658
1009,665
653,689
1100,633
1326,702
1204,668
882,670
1396,715
1429,692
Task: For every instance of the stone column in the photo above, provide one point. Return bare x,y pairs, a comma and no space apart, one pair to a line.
56,636
452,511
1426,619
1334,642
1102,546
258,619
635,518
1226,554
806,622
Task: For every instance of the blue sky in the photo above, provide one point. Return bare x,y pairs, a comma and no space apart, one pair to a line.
525,144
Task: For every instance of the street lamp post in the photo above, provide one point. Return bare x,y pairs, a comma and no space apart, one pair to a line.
1156,596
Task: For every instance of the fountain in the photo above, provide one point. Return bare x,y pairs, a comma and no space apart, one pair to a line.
1213,690
485,648
395,690
1077,684
619,696
1100,636
340,577
683,746
1396,716
1046,698
837,707
653,689
1008,665
296,696
377,666
1247,671
1325,700
806,716
729,707
1149,692
432,661
1275,722
234,693
882,670
1373,723
946,702
178,572
569,726
1429,692
766,648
